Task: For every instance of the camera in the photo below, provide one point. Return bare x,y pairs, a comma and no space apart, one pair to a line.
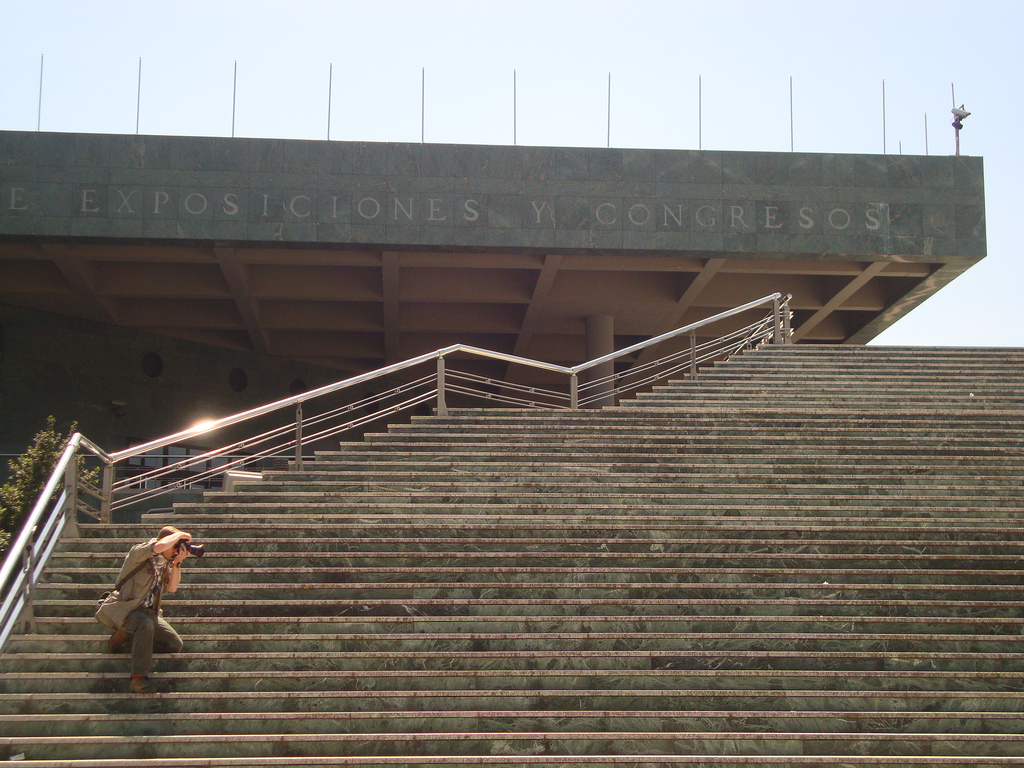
196,550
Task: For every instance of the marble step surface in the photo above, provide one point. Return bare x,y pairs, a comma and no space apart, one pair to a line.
724,571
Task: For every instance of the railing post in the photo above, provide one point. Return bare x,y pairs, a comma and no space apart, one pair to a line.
778,322
574,391
442,406
787,328
70,511
693,354
106,492
28,617
298,436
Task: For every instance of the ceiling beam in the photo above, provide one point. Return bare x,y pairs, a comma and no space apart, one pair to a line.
538,301
535,309
236,276
711,268
82,277
836,302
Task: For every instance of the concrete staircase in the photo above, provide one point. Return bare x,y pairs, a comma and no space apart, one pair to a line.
809,556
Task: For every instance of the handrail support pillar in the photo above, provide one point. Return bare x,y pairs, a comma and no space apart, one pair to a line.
71,499
298,436
693,354
28,618
442,405
106,492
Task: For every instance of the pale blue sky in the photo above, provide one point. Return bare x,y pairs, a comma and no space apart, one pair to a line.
742,52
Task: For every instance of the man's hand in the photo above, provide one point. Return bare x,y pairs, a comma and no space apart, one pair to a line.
180,553
172,542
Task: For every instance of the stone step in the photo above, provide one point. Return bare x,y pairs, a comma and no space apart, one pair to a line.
739,584
692,448
390,464
574,452
948,357
845,395
274,525
853,401
711,541
98,713
556,479
539,661
708,445
665,642
492,760
673,500
706,425
683,430
1000,559
791,387
572,485
690,421
938,372
226,602
304,513
296,514
227,691
585,450
543,747
393,463
970,629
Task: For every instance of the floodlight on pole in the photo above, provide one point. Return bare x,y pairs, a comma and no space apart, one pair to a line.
959,115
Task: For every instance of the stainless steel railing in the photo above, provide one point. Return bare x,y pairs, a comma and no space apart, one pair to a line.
297,428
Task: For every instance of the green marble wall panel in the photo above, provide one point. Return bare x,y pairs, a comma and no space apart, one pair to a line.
256,190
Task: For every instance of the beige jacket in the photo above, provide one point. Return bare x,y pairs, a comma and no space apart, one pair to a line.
115,609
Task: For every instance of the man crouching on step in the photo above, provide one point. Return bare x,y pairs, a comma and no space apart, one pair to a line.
132,610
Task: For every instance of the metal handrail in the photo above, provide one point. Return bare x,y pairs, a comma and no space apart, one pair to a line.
54,516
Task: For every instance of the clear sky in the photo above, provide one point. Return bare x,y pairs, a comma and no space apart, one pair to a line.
536,72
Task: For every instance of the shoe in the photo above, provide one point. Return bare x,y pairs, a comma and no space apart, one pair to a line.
140,684
118,639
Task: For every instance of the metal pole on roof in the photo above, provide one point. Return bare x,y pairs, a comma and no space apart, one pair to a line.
700,113
423,105
330,86
234,100
138,99
515,109
883,116
39,113
609,109
791,144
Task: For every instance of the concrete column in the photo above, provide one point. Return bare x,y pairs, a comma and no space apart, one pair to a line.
600,331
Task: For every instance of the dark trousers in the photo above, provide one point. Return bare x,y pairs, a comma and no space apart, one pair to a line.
150,634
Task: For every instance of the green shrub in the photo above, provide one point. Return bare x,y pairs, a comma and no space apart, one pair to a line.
29,473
